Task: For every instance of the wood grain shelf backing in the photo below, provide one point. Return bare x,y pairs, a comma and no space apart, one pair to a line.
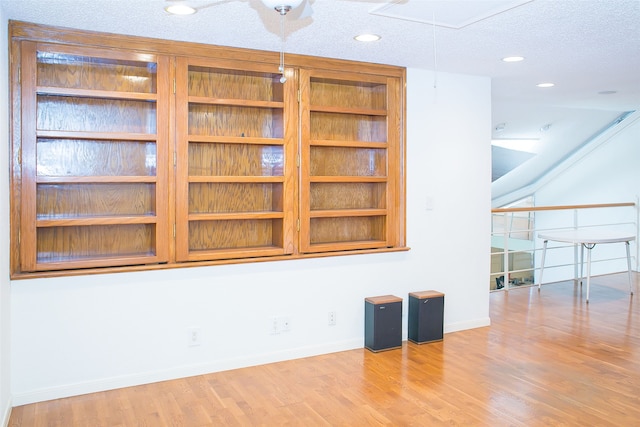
349,127
85,200
348,161
342,93
235,233
81,157
223,159
59,69
86,242
347,228
347,195
243,86
66,113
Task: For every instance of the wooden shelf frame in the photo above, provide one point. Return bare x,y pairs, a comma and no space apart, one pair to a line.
64,233
275,227
377,91
96,94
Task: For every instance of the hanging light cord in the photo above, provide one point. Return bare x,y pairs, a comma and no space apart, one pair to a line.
283,40
435,56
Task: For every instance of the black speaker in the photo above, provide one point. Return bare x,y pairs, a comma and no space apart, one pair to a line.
426,316
382,323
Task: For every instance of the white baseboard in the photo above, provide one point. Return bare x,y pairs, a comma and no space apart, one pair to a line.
103,384
471,324
111,383
6,413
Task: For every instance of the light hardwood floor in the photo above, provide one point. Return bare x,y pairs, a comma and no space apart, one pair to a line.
548,359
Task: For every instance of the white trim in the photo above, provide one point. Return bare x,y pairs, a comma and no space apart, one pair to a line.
471,324
80,388
112,383
6,413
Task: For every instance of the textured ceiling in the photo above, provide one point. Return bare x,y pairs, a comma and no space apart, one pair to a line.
583,46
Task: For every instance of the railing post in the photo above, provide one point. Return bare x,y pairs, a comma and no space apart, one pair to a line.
505,255
575,250
637,208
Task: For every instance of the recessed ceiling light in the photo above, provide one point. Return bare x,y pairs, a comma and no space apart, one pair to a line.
180,9
545,84
367,37
513,58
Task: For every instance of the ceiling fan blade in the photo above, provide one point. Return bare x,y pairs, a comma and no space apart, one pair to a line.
199,6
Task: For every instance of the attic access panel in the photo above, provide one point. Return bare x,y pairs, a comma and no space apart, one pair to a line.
455,14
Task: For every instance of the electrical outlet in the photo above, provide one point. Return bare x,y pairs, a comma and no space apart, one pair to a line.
274,326
285,324
279,324
429,203
194,337
332,318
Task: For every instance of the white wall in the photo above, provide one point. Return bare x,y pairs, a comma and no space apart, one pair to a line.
608,174
80,334
5,297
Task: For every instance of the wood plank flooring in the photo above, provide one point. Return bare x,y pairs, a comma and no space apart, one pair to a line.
548,359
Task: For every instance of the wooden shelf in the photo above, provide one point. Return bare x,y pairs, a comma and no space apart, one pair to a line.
94,188
235,216
348,151
232,253
93,93
105,220
341,213
235,102
72,263
237,146
346,179
43,179
109,136
347,246
346,143
348,110
134,153
238,179
235,140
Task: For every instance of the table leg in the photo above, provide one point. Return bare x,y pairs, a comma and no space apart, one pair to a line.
629,268
588,269
544,251
581,263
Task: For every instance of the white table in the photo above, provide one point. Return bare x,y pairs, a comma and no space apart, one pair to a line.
587,238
